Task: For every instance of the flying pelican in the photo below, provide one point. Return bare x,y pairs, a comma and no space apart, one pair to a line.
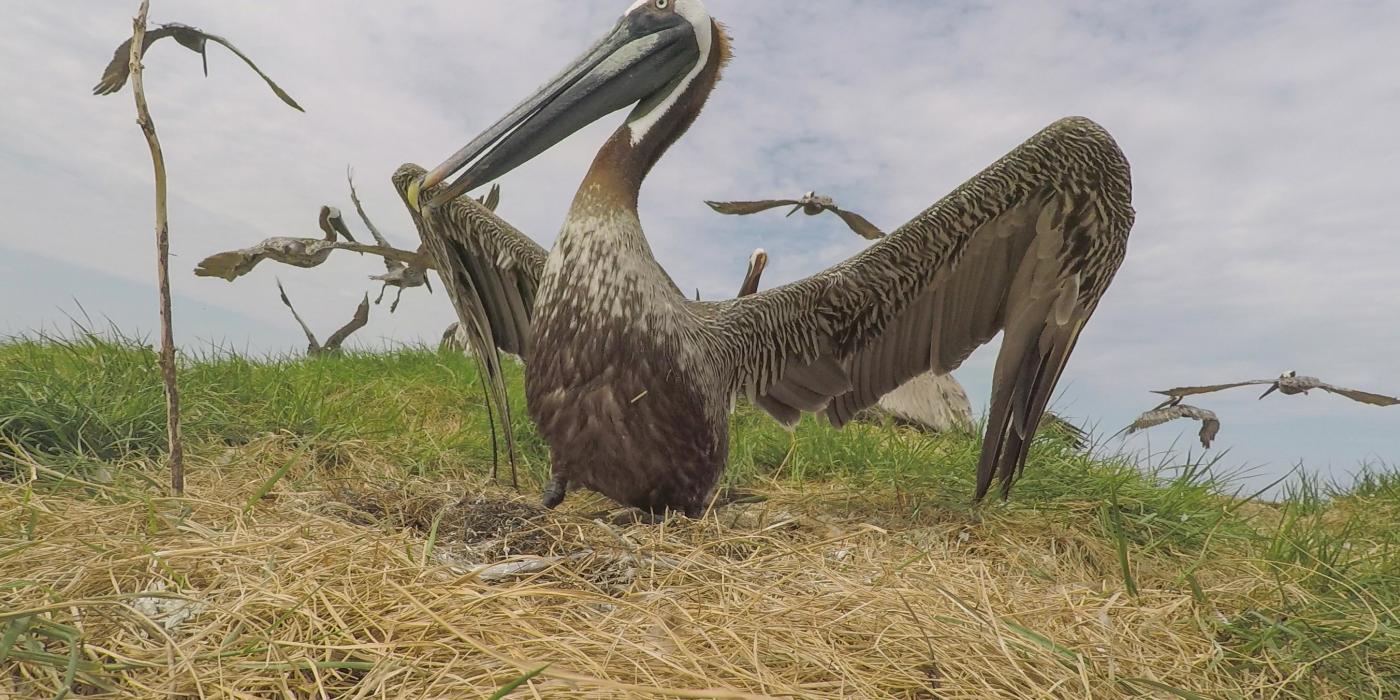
630,382
192,38
810,204
1288,384
332,346
1210,424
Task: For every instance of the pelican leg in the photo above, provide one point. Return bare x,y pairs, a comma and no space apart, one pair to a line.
395,306
383,289
555,492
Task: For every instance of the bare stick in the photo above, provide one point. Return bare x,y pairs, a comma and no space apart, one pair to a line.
167,335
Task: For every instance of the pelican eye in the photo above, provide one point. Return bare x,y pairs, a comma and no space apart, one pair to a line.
662,4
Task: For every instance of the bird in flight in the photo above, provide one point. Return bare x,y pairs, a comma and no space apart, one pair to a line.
1210,423
810,204
1288,384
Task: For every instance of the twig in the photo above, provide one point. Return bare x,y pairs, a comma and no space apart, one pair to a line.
167,336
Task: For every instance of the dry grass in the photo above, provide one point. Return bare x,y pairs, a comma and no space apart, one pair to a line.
349,587
339,541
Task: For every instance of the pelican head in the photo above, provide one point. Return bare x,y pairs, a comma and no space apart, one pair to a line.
757,262
649,59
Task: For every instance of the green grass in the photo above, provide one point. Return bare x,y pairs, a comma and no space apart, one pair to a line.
91,409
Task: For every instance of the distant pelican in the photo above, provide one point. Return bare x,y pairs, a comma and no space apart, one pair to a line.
810,204
1288,384
1210,424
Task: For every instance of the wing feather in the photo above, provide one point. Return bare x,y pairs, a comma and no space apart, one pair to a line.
1027,247
744,208
360,320
1362,396
492,272
310,337
1184,391
859,224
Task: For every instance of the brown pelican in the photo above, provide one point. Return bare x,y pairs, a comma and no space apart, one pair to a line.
1210,424
810,204
192,38
332,223
630,382
1288,384
332,346
757,263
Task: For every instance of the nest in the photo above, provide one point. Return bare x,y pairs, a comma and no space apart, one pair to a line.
455,589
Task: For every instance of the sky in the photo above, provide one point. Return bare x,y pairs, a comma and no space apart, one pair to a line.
1262,137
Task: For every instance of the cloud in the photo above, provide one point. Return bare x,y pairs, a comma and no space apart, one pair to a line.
1261,135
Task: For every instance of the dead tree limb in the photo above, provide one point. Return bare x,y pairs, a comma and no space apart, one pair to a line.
332,346
397,273
167,335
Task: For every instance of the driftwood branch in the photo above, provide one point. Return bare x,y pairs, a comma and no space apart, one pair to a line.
397,273
404,269
167,336
333,344
126,64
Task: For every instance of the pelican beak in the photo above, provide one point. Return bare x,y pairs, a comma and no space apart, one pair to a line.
641,57
1270,391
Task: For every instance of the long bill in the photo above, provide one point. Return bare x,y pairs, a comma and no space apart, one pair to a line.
641,56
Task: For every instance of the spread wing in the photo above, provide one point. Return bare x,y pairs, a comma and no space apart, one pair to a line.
1184,391
1362,396
859,224
361,319
192,38
1210,424
1026,247
276,89
743,208
491,271
230,264
114,76
310,337
492,199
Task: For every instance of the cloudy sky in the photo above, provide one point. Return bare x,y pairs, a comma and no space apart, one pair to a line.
1263,138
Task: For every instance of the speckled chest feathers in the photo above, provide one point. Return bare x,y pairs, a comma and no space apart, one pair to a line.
611,380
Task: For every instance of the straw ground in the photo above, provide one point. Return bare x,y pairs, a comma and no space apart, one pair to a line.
340,540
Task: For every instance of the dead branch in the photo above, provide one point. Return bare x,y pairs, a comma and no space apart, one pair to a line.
137,44
126,63
333,344
397,274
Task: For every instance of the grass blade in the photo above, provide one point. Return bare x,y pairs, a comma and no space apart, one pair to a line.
510,687
267,486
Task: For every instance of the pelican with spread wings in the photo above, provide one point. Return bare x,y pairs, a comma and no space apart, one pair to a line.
1210,423
1288,384
630,381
